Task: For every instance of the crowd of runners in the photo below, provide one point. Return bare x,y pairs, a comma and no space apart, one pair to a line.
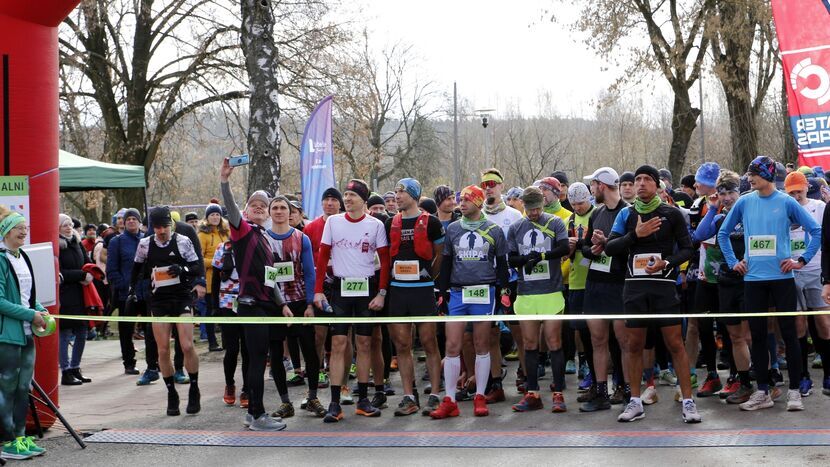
615,243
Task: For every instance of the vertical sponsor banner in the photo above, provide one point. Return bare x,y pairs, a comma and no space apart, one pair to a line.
317,158
803,28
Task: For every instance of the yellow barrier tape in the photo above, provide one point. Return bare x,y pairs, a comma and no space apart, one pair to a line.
323,321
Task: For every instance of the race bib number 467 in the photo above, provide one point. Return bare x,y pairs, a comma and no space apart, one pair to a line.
762,245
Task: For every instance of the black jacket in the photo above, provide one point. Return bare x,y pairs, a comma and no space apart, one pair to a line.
71,259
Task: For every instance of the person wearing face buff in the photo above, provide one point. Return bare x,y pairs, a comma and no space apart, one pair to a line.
20,312
655,237
252,252
473,266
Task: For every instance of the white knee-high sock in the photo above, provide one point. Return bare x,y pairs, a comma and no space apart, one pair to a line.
482,372
452,370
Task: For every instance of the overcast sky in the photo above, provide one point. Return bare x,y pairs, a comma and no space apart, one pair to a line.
499,52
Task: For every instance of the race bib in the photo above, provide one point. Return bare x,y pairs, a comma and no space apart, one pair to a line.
798,245
642,261
475,295
602,264
762,245
162,277
407,270
354,287
285,271
270,278
539,272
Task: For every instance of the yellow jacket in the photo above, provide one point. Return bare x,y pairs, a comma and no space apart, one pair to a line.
211,237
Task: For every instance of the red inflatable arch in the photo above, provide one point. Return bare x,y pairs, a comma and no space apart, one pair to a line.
29,131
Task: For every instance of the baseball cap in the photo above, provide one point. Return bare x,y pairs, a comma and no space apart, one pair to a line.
606,175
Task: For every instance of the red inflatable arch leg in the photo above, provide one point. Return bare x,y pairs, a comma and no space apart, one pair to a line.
29,132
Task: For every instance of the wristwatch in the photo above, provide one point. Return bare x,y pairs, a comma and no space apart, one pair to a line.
382,292
802,260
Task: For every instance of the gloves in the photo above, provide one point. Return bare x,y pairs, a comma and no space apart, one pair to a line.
175,270
533,259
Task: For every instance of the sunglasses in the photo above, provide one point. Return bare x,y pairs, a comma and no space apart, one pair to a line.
489,184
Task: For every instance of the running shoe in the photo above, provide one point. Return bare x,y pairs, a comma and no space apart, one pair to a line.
776,377
583,369
570,367
334,414
365,408
388,389
633,411
741,395
596,404
782,362
148,377
529,402
758,400
353,371
304,402
710,387
407,406
266,423
464,395
732,385
314,406
817,363
243,400
379,400
586,383
322,380
825,386
346,396
393,365
130,370
29,442
618,397
513,356
587,395
432,404
286,363
690,414
180,377
559,403
447,408
693,379
16,450
805,388
775,393
495,395
668,378
294,379
540,371
230,395
285,410
794,402
194,400
480,406
248,420
173,403
649,396
678,396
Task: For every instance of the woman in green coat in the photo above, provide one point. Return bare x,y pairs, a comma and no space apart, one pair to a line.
19,312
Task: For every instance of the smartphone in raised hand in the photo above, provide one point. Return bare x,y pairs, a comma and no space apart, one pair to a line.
241,159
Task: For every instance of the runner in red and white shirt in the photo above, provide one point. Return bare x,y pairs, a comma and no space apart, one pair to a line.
350,240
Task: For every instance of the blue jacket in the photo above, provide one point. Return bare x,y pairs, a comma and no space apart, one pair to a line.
120,259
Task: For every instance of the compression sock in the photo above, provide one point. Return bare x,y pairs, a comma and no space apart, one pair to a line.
557,366
170,382
805,371
532,373
482,366
452,370
335,393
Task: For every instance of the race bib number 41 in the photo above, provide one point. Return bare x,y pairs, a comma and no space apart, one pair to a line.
762,245
284,272
475,294
354,287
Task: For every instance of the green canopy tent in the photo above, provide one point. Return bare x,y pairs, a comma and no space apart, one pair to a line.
80,174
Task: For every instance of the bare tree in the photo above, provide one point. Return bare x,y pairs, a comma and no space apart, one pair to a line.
675,48
533,149
745,50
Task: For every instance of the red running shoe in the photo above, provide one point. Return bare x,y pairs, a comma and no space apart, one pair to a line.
230,395
480,406
448,408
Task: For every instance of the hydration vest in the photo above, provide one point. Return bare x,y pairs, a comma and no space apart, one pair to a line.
423,247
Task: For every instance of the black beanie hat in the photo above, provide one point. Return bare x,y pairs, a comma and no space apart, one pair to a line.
650,171
334,193
428,205
627,177
160,216
561,176
688,181
374,200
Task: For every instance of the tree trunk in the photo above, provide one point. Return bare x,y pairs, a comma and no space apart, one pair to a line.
743,132
129,198
684,121
264,117
790,149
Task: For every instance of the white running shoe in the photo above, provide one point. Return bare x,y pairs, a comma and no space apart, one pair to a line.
758,400
794,400
649,396
633,411
266,423
690,414
346,396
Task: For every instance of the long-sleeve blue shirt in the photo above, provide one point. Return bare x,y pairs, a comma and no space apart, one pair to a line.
766,221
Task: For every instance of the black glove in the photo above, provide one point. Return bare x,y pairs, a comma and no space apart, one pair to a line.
131,295
175,270
533,259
